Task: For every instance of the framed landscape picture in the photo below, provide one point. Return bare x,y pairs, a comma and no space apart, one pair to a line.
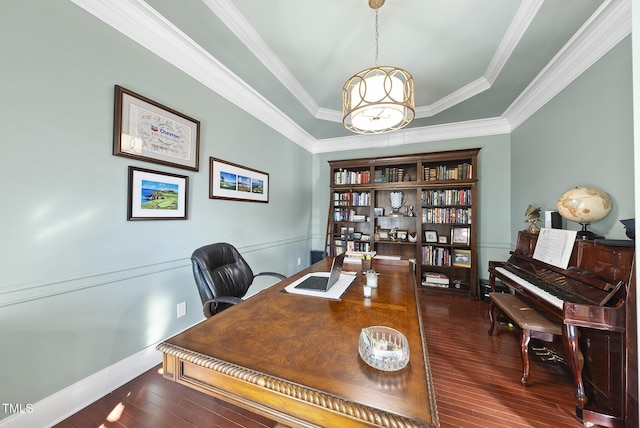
146,130
462,258
155,195
235,182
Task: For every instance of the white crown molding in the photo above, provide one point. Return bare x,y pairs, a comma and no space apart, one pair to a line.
449,131
135,19
329,115
527,11
523,18
607,27
59,406
236,22
462,94
138,21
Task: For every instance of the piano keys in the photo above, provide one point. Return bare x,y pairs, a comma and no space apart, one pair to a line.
590,298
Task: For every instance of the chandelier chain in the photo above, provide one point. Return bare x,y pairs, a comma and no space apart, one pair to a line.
377,34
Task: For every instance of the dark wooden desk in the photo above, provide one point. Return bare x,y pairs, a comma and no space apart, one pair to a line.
295,358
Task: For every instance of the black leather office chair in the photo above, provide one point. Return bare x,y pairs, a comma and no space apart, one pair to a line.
222,276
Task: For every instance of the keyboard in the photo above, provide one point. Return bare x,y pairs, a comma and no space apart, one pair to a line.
314,283
555,301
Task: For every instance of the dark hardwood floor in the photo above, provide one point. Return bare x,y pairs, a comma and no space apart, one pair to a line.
476,378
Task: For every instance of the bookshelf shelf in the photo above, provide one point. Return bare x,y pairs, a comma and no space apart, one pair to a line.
440,197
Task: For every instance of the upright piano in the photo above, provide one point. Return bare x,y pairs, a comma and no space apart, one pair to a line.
595,300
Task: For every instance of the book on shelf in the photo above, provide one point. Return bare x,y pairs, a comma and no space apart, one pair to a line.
434,284
390,175
446,215
446,197
435,278
343,176
463,171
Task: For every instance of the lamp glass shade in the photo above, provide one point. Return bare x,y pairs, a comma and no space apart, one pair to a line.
378,100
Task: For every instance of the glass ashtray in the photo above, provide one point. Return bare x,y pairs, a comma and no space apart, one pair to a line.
383,348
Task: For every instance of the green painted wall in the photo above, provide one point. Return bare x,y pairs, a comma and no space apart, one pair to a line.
81,287
582,137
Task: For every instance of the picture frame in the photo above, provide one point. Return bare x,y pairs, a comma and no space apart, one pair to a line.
378,212
430,236
235,182
402,235
155,195
460,235
357,235
149,131
461,258
442,239
383,234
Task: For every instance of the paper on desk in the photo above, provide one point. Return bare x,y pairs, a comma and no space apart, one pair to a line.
334,293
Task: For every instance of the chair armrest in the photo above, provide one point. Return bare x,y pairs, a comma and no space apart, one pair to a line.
206,307
274,274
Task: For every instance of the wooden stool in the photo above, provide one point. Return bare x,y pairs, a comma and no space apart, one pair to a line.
531,323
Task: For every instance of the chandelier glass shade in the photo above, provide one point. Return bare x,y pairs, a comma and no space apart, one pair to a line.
378,100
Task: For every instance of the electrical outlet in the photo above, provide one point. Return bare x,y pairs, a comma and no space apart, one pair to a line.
299,261
181,310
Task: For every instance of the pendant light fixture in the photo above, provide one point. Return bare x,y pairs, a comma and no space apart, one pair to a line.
378,99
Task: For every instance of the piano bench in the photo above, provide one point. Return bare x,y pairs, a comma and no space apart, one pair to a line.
532,324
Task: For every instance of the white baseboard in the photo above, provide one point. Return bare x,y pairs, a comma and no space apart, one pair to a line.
70,400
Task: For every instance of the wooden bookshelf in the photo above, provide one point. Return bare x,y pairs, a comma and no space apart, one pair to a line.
436,224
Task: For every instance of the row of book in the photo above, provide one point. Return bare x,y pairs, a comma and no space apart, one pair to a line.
446,215
358,199
435,279
344,176
463,171
344,214
340,214
390,175
351,246
446,197
436,256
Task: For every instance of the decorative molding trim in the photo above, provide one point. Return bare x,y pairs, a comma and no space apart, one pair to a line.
472,128
26,292
495,245
472,89
288,389
272,244
607,27
64,403
138,21
517,28
527,11
21,293
236,22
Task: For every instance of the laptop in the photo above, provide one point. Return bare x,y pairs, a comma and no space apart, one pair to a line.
323,283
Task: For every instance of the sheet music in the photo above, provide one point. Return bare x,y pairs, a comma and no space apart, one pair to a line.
554,246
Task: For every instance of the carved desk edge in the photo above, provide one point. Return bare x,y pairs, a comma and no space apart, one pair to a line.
291,390
427,366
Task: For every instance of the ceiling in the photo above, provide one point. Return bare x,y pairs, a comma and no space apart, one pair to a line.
481,67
